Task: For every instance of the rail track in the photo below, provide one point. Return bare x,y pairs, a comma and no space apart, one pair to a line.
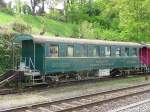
6,91
80,102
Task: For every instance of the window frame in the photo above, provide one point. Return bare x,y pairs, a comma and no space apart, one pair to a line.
134,52
97,51
83,51
119,51
91,51
49,52
68,52
127,53
110,51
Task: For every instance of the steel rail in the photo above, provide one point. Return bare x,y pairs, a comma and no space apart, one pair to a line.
61,84
34,106
100,102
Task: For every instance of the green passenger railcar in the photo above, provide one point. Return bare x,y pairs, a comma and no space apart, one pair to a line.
55,55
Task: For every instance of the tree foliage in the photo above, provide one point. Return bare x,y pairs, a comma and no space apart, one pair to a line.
128,18
2,4
135,19
5,51
36,3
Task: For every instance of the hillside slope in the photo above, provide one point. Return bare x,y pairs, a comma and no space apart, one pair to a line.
52,27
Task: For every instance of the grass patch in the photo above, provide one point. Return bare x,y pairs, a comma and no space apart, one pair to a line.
37,23
6,18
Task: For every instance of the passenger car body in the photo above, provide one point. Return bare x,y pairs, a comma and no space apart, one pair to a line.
64,55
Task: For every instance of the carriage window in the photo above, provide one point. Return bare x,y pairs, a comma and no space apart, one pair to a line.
95,52
118,51
83,51
134,52
107,51
70,51
53,50
126,51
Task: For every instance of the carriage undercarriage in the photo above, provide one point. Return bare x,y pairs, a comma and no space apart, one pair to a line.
34,77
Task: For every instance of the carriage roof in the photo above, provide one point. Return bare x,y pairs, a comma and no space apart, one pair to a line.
45,39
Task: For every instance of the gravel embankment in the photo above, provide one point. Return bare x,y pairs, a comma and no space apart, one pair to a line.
59,93
113,105
141,108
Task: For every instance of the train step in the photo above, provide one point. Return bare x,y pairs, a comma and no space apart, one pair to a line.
36,79
36,84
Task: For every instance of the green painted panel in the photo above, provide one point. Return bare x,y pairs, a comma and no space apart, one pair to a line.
39,54
28,52
22,37
77,64
27,48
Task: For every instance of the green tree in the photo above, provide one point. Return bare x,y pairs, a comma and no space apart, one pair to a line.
5,51
18,6
86,30
26,9
35,3
2,4
135,19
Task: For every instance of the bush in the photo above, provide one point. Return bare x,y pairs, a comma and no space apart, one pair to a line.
26,9
5,51
86,30
21,27
75,32
7,11
1,71
56,15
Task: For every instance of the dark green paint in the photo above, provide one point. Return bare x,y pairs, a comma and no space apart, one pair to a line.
77,64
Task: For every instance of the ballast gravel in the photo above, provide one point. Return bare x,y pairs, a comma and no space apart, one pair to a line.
113,105
141,108
59,93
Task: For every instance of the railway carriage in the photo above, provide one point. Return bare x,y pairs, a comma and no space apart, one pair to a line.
56,57
145,54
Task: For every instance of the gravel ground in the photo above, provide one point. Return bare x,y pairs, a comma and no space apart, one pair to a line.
113,105
141,108
58,93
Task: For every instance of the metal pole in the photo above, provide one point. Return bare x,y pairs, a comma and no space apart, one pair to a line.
34,56
147,57
146,77
140,57
13,55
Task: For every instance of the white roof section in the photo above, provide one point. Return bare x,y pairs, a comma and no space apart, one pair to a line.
44,39
53,39
146,45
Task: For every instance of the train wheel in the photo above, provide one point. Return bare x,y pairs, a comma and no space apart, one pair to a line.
115,72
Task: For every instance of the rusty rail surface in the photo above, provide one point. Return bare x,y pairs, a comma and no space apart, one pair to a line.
84,101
